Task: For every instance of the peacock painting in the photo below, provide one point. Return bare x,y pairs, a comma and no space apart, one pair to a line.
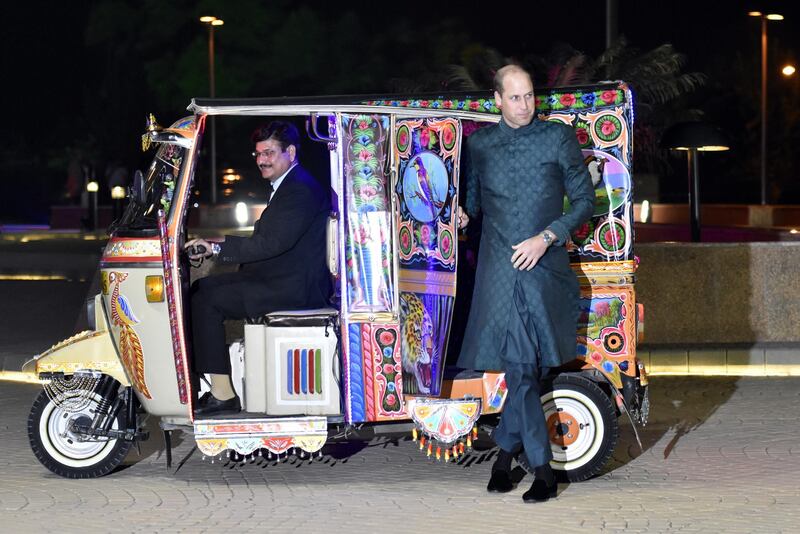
130,347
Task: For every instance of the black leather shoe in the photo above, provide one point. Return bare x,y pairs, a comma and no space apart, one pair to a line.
540,491
208,405
500,482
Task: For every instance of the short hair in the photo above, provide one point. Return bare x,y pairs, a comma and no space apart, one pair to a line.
285,133
501,73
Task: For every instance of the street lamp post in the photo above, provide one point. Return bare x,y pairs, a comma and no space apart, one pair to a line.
694,137
211,22
764,19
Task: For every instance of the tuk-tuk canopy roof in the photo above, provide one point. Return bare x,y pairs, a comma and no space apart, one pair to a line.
476,105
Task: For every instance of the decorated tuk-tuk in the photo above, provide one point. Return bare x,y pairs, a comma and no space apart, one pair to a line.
378,354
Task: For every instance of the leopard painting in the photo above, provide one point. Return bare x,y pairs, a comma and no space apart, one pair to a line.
418,347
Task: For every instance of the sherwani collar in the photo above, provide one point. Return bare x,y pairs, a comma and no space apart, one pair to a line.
516,132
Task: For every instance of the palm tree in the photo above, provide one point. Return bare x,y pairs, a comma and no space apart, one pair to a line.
656,77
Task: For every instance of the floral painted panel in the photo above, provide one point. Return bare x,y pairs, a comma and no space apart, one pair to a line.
427,158
368,251
603,122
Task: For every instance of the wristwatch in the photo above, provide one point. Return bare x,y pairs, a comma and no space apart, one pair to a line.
548,237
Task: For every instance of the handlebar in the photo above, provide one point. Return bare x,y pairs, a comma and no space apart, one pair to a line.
195,250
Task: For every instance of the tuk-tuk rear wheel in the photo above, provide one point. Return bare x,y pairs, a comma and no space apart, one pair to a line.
582,425
65,453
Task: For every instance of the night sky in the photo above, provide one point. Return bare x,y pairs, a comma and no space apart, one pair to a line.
81,76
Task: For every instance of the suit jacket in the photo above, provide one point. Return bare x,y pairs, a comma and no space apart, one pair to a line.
284,259
517,179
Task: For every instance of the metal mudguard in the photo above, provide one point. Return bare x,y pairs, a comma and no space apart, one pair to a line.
91,350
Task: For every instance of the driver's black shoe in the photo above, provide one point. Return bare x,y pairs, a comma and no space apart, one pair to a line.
208,405
500,482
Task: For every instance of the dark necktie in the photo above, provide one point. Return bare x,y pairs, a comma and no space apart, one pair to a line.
270,191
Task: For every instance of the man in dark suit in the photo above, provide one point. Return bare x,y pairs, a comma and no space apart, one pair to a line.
282,262
524,310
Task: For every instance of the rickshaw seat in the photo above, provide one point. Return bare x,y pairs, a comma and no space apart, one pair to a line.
288,318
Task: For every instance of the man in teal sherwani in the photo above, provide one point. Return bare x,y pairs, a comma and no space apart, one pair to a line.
524,311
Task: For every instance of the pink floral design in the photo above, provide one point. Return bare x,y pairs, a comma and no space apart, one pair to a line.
582,232
363,125
388,368
403,137
474,104
608,127
582,135
386,338
611,236
448,135
368,192
447,104
405,238
362,235
391,398
364,155
567,99
425,235
609,97
445,244
424,137
424,103
602,309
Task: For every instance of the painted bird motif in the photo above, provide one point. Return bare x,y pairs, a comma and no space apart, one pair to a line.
596,166
130,347
606,198
426,192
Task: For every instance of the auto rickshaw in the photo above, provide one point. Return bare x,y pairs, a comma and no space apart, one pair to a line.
377,356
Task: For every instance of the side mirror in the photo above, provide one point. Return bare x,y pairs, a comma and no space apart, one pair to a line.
137,189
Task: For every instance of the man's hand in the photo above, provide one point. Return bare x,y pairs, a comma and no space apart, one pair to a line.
527,253
462,217
194,251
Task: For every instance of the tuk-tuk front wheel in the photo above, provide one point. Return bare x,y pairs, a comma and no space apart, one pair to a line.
65,453
582,426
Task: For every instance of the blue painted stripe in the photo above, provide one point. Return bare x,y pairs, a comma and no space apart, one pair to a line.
304,370
356,382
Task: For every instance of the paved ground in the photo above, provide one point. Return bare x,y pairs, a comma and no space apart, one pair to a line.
721,455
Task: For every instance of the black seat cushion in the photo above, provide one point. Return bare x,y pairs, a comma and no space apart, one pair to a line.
316,317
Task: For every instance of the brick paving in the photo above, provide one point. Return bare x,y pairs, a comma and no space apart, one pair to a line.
720,455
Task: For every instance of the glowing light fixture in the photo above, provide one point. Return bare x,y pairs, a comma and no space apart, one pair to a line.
242,213
644,211
788,70
92,187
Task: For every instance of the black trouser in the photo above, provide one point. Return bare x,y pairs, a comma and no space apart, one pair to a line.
522,422
214,299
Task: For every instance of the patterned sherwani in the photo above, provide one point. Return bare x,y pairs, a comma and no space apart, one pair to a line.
524,321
